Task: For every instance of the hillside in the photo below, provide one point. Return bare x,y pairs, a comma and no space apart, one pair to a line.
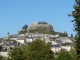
41,27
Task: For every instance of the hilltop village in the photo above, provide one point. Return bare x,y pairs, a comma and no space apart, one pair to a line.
56,42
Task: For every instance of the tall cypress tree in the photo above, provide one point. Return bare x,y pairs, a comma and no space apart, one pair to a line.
71,35
66,34
76,15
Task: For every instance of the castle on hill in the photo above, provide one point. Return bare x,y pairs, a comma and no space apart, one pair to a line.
34,25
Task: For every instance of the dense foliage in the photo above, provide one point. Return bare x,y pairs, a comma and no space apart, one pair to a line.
42,29
64,56
76,15
73,54
1,58
16,54
37,50
43,22
0,47
48,30
24,29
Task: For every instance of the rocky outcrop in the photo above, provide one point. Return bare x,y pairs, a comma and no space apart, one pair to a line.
41,27
35,25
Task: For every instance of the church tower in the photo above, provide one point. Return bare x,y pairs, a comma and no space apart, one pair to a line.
8,35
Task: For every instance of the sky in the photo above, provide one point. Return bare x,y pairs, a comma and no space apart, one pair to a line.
16,13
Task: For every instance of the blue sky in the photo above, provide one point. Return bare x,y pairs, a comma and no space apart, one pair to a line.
16,13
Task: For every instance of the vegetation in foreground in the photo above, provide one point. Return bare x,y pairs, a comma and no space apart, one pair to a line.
76,15
39,50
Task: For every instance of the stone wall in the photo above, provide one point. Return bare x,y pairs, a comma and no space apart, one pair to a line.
4,54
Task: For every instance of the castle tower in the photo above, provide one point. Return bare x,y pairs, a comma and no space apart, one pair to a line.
33,25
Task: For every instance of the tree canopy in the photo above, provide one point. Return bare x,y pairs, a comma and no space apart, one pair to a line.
73,54
43,22
38,50
25,26
24,29
76,15
64,56
18,53
1,58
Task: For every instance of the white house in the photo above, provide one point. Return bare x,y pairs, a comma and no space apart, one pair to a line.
29,39
56,48
21,35
66,40
21,41
53,42
15,38
4,54
66,46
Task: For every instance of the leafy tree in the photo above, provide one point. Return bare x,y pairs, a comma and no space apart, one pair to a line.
64,56
38,50
18,53
25,26
24,29
51,28
0,47
60,34
73,54
43,22
76,15
23,47
1,58
39,22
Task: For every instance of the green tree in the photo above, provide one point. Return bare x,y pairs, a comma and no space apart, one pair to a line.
51,29
24,29
18,53
38,50
0,47
76,15
25,26
64,56
65,34
39,22
43,22
73,54
23,47
1,58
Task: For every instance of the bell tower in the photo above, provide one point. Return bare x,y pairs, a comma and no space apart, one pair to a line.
8,35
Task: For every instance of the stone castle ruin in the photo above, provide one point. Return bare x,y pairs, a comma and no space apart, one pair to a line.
34,25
